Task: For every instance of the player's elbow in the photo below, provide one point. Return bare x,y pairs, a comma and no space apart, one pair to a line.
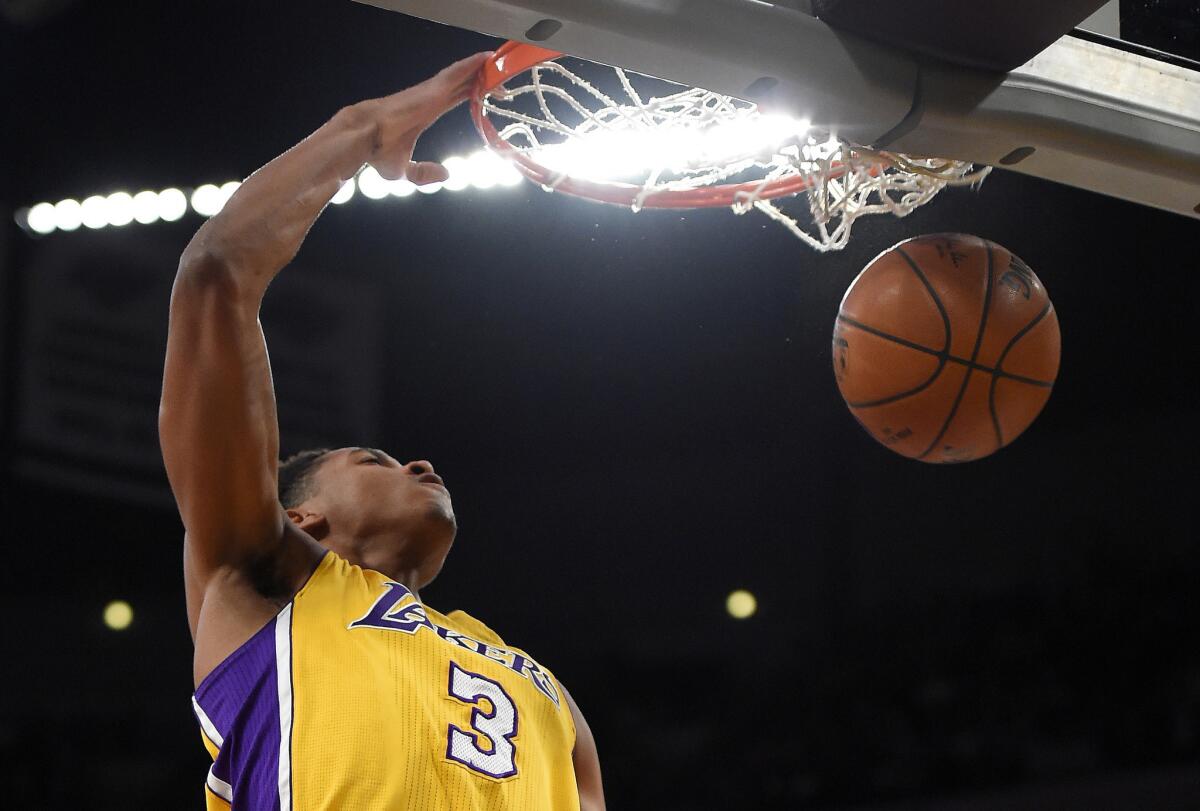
209,277
204,267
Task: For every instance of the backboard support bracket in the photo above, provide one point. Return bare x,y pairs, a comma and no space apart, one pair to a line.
1080,112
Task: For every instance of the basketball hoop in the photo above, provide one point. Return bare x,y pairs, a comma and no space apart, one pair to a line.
689,148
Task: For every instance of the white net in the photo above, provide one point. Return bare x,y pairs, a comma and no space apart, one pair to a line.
690,147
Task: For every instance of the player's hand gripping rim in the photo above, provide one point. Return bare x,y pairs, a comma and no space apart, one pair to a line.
399,120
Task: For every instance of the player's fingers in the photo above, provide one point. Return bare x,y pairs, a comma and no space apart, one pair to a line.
406,114
424,172
392,161
388,171
454,83
463,71
424,103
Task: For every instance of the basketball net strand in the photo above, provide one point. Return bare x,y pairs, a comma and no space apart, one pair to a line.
696,138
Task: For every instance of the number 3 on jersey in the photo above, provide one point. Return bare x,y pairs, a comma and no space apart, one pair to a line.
494,755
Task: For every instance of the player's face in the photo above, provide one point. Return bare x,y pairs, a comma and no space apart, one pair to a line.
365,492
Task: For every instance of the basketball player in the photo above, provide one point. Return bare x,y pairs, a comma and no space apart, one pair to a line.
322,680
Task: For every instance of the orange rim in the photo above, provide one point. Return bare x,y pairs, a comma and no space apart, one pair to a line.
513,58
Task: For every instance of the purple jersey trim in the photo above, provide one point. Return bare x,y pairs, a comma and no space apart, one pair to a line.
241,698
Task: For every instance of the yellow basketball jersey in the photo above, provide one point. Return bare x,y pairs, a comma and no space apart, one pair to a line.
356,696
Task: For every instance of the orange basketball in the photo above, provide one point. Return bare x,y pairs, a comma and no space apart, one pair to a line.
946,347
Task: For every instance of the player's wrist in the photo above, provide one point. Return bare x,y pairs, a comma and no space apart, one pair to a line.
361,122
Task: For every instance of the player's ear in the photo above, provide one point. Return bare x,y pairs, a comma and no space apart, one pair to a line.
315,524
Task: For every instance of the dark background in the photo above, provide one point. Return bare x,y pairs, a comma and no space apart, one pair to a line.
635,414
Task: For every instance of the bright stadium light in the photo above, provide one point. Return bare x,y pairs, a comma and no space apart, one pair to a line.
227,190
741,604
610,154
481,170
120,208
460,173
487,169
506,173
207,200
402,187
344,192
145,207
484,170
372,184
172,204
68,215
750,135
118,615
95,211
41,219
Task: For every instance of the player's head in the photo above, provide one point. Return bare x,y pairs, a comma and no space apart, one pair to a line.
370,508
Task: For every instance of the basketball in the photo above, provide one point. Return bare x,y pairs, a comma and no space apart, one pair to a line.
946,347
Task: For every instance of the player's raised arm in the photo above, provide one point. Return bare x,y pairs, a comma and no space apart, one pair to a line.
217,421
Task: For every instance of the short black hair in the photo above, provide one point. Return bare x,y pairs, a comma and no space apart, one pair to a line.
295,476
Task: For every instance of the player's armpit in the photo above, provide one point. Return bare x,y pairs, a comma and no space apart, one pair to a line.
586,760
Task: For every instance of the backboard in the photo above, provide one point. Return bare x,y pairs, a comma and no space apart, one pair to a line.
1089,109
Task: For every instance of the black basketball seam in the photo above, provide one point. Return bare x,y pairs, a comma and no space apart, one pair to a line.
987,304
1021,333
900,396
894,338
887,336
932,294
1042,384
941,356
1000,362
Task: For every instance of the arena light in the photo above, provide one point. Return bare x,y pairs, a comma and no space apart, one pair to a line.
41,219
344,193
119,208
172,204
403,188
68,215
146,207
741,604
506,174
613,153
207,200
487,170
459,169
227,190
118,615
480,170
95,212
372,184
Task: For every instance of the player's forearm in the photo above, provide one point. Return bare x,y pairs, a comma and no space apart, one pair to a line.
262,225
